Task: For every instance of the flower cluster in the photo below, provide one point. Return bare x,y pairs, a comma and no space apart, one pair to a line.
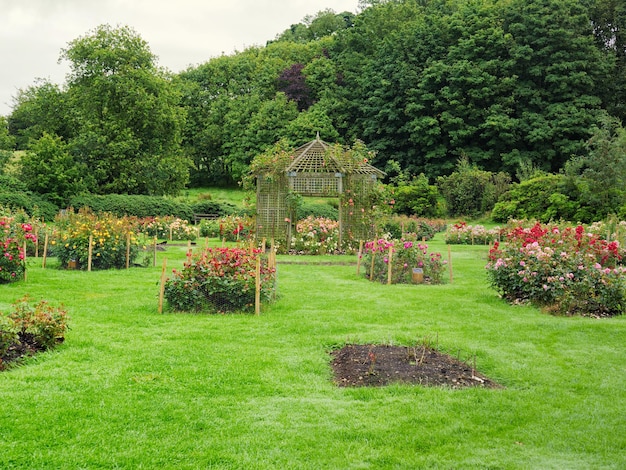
219,280
566,270
12,238
406,254
109,235
168,227
316,236
463,234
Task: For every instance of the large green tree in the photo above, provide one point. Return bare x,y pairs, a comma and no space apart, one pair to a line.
126,114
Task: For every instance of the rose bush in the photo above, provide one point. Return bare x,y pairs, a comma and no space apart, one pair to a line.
565,270
219,280
110,235
463,234
406,254
12,255
316,236
165,226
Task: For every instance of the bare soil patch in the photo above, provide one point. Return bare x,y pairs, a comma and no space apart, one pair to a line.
372,365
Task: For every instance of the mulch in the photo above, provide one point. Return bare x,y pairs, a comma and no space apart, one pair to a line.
372,365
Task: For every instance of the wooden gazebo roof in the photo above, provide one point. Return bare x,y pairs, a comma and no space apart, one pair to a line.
311,158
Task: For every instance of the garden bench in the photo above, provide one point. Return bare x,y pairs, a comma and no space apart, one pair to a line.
199,217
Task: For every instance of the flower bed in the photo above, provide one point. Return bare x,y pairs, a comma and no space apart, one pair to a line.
463,234
110,235
231,228
565,270
406,254
219,280
168,227
316,236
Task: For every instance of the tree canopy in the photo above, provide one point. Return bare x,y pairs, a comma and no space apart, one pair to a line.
503,85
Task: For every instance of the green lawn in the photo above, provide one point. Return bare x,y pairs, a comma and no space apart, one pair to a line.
134,389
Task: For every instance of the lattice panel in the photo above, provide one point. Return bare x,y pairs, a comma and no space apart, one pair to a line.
315,184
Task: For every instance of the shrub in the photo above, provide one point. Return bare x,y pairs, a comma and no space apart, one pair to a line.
32,204
206,206
12,237
469,191
317,210
110,235
219,280
8,335
566,270
42,323
133,205
416,198
407,253
538,198
398,226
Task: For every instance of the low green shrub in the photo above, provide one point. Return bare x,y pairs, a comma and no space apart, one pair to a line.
133,205
41,323
206,206
33,204
420,228
317,210
219,280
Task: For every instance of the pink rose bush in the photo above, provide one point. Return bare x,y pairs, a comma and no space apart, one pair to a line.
12,255
316,236
406,254
463,234
564,270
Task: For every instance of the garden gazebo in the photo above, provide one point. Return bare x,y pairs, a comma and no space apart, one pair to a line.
320,170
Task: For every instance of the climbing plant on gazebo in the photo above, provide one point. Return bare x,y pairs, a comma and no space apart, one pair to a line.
283,175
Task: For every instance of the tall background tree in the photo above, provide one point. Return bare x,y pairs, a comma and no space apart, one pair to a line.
126,114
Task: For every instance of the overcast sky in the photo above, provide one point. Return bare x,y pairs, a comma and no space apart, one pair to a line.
179,32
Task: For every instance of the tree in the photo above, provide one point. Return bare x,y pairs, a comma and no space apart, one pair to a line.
598,178
37,109
7,141
48,168
127,115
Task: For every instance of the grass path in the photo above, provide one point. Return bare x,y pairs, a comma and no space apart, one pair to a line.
134,389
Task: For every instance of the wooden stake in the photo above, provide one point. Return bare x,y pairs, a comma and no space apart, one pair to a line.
389,269
90,253
450,263
45,252
162,287
257,296
154,245
127,250
25,261
358,258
